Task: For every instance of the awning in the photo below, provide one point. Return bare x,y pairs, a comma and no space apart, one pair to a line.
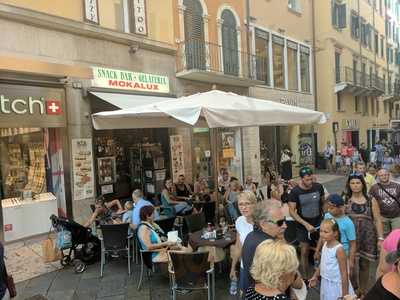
124,101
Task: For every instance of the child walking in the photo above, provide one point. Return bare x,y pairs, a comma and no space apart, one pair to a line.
333,268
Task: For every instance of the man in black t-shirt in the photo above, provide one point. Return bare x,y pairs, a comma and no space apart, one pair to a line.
306,202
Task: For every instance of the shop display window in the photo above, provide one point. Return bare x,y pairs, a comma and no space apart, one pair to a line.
32,180
230,152
202,162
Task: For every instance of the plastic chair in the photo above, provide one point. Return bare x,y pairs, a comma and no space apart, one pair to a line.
115,238
195,222
191,271
166,224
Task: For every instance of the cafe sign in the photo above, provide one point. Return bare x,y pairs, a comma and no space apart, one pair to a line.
128,80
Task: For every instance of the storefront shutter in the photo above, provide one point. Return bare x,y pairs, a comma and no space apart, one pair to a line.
194,35
230,43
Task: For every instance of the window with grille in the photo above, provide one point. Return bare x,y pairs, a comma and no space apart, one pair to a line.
230,43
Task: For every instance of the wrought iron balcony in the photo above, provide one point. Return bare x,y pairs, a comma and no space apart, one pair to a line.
208,62
358,83
392,93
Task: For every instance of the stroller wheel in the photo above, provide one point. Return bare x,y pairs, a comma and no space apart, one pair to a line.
79,267
65,261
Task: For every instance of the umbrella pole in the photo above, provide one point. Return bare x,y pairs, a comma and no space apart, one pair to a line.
214,155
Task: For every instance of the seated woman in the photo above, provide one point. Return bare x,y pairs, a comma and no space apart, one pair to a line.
103,212
169,200
151,236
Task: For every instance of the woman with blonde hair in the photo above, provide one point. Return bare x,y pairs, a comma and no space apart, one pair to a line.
274,269
244,225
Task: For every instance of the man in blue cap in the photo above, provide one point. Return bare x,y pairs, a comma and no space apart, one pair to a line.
346,227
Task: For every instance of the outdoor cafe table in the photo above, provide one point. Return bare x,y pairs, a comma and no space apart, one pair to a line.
196,241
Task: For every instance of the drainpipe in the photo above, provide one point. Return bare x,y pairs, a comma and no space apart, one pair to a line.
248,37
314,59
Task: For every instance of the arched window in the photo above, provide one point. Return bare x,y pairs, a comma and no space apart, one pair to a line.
194,35
230,51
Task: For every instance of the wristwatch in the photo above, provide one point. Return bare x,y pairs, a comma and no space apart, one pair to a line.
381,238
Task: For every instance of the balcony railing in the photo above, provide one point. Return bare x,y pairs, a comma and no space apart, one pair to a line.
196,55
359,79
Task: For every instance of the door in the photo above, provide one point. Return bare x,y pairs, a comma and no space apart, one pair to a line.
355,139
230,51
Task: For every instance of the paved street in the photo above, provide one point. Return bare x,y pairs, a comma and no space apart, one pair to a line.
117,285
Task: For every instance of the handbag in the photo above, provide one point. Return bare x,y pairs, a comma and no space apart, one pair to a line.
10,285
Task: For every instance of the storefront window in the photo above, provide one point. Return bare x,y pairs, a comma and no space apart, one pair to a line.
230,152
292,65
32,180
278,61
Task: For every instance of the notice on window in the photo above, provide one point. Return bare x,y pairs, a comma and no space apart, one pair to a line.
82,160
178,166
139,13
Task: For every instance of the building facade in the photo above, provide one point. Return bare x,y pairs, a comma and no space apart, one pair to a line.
356,73
61,63
281,40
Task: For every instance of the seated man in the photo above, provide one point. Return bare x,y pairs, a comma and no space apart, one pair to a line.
137,197
103,212
182,190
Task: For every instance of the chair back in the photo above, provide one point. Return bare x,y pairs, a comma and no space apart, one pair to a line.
146,256
115,236
195,222
166,224
190,269
209,211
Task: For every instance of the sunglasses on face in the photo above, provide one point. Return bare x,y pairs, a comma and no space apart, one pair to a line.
278,223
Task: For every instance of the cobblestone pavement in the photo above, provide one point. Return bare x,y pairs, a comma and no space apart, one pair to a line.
117,285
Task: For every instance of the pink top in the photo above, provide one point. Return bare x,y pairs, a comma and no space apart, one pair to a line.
391,241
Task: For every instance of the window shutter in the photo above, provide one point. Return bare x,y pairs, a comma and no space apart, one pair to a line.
342,15
229,43
333,13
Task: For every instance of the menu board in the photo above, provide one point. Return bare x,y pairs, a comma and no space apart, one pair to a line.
82,159
178,167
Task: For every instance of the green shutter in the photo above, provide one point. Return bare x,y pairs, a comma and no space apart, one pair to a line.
342,15
230,43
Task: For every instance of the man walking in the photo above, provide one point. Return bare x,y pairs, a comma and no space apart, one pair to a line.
379,153
387,194
328,153
306,202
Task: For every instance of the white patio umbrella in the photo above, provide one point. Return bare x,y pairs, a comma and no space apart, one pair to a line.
211,109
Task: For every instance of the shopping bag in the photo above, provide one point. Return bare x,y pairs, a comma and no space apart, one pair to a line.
64,240
50,253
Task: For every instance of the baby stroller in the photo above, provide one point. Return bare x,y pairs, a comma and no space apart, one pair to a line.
85,247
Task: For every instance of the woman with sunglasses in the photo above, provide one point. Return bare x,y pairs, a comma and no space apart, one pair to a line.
387,287
365,214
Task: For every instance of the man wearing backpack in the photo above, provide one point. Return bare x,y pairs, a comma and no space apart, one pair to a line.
387,194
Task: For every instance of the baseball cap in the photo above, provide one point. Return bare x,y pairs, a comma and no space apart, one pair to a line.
336,200
394,256
305,171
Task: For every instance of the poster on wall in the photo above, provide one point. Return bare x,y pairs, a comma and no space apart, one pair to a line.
305,150
178,166
106,169
228,144
82,160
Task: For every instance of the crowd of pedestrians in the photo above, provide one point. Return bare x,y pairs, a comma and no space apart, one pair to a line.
337,237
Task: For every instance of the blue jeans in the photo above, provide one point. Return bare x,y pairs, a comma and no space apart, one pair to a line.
182,208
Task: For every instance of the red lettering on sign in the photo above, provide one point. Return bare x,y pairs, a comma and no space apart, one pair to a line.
155,87
134,85
53,107
8,227
113,82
